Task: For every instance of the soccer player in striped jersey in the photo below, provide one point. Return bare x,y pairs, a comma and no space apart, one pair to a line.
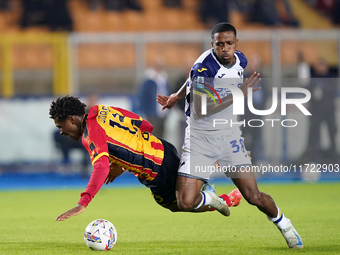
206,143
117,141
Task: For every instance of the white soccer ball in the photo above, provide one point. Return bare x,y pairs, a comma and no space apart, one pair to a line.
100,235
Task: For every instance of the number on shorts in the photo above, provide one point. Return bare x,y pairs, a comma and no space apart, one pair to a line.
236,146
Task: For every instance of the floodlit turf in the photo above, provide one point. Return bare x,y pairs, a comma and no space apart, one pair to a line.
28,226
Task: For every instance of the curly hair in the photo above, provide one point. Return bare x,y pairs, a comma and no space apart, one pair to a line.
222,27
65,106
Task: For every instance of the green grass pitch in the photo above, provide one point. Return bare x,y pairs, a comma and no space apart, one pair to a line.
28,226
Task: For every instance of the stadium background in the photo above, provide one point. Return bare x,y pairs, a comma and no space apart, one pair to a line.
104,51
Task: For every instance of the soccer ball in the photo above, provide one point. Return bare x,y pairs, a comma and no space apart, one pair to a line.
100,235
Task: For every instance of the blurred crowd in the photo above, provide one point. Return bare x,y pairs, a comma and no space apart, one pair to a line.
55,14
267,12
330,8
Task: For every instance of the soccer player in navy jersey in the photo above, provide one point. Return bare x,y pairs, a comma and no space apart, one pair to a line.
117,141
207,144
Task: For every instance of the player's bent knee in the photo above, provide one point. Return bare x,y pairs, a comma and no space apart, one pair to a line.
184,205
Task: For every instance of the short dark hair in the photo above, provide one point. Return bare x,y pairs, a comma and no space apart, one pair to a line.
65,106
222,27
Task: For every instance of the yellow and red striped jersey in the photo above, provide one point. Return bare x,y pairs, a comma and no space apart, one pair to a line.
125,138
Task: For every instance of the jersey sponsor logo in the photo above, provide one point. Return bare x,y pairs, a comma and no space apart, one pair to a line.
201,70
220,76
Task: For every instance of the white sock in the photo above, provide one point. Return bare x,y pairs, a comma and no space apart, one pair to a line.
206,199
280,220
283,223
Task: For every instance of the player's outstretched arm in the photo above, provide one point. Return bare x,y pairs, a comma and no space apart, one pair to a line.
99,174
115,171
170,101
74,211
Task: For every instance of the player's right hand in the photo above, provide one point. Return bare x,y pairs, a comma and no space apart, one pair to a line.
167,101
72,212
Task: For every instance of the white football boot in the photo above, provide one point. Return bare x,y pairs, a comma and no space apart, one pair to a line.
217,203
292,237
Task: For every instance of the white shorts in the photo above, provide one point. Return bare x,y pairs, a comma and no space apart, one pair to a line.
202,151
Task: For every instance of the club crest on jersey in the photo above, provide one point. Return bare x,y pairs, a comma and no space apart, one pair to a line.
200,79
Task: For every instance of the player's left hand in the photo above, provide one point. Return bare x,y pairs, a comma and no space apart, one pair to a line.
74,211
115,171
251,82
